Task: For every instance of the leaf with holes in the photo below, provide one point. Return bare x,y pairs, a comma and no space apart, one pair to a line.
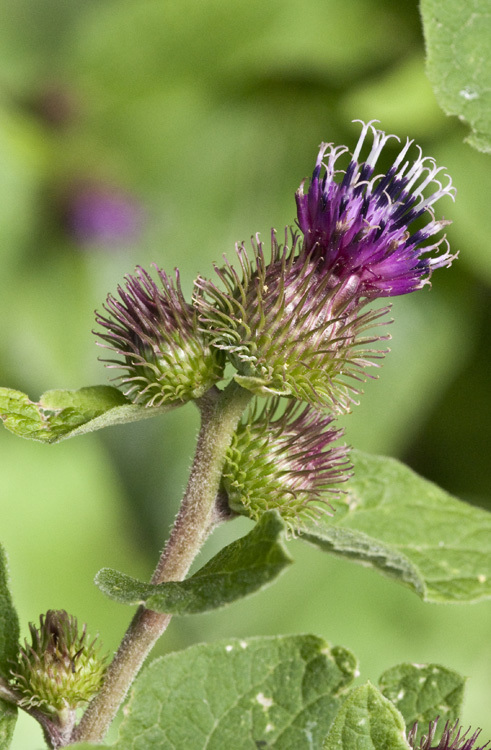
278,692
410,530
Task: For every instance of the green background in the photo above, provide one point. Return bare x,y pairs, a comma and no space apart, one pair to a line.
210,114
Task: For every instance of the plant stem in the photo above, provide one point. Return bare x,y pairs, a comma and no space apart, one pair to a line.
220,413
56,733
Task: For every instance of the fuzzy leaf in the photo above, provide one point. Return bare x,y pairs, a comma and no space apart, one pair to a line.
411,530
63,414
280,692
367,720
8,719
9,642
421,692
240,569
459,62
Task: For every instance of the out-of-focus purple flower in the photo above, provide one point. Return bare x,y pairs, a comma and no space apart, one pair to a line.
452,738
357,228
98,213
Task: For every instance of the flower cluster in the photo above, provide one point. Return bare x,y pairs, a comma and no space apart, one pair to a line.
295,324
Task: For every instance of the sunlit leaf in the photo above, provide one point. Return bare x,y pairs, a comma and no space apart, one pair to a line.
63,414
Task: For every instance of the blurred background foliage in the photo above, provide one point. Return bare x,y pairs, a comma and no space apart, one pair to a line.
134,132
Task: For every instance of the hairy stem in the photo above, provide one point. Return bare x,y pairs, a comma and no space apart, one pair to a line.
220,413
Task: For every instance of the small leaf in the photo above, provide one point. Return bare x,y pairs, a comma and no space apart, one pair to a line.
421,692
459,63
63,414
240,569
410,530
367,720
9,644
278,692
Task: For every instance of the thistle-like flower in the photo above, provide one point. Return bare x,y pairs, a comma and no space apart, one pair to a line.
60,670
294,325
452,738
358,228
155,333
286,329
284,461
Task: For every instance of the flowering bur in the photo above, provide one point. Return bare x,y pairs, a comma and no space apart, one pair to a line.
452,738
60,670
294,325
154,332
359,228
284,461
284,327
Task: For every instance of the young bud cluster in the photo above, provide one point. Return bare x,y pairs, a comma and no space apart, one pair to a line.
60,669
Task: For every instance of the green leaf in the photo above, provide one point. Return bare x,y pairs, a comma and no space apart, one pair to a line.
421,692
278,692
63,414
9,644
459,62
8,719
411,530
367,721
240,569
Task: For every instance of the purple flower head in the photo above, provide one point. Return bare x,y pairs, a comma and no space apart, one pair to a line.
358,228
97,213
452,738
285,460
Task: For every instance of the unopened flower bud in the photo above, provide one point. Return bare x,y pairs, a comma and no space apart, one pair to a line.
60,670
285,461
154,332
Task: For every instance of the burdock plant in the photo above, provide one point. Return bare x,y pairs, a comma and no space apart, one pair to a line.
271,350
